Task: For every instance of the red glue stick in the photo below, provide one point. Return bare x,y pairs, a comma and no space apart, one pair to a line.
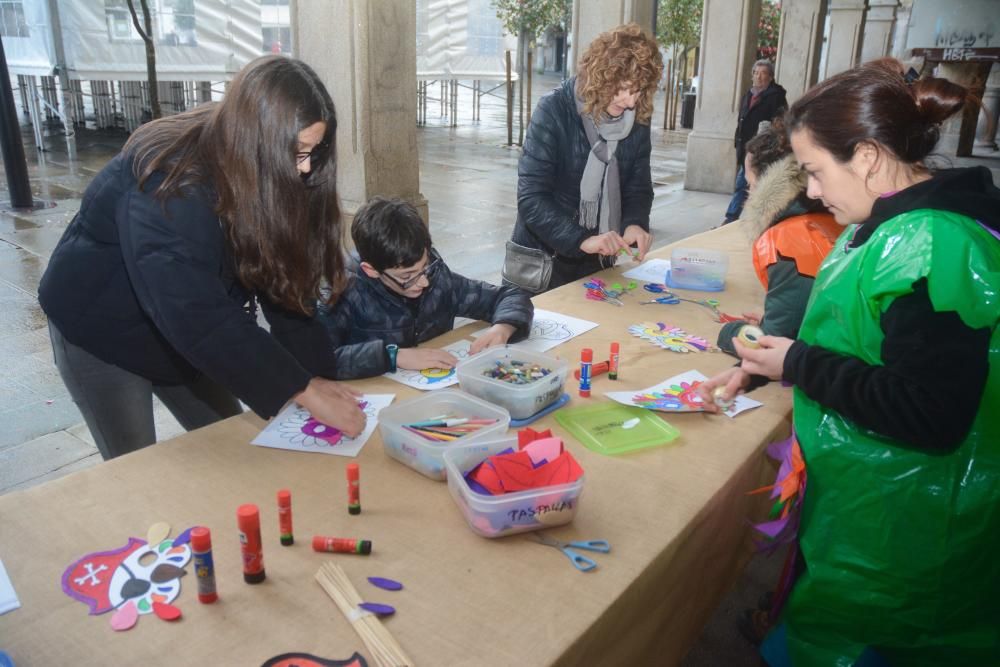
586,359
248,520
595,369
353,488
341,545
613,368
204,567
285,517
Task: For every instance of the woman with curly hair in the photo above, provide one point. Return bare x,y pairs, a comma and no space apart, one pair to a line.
201,213
584,189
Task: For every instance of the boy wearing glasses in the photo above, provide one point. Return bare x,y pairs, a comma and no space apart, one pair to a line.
403,294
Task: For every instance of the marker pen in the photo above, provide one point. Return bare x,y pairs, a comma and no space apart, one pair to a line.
353,488
613,368
204,567
341,545
586,359
285,517
248,520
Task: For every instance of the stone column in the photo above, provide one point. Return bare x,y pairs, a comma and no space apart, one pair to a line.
880,23
728,50
847,25
591,18
800,41
902,30
989,117
957,132
365,53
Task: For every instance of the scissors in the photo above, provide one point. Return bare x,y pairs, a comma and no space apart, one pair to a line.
670,298
580,562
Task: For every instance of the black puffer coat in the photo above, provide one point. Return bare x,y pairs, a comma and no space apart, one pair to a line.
772,103
548,184
368,316
150,286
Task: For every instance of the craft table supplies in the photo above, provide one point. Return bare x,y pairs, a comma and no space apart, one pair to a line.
613,366
384,650
671,338
586,359
750,336
516,372
204,566
341,545
353,473
285,517
599,368
580,562
251,548
515,484
666,297
448,429
597,291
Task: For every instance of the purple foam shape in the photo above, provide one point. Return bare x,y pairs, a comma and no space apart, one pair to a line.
385,584
377,608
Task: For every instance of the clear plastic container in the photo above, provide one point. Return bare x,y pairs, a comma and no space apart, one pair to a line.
518,512
425,456
693,268
521,400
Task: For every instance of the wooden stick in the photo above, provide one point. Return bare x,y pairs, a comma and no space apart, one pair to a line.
384,649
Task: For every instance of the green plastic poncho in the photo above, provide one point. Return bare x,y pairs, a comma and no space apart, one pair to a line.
902,548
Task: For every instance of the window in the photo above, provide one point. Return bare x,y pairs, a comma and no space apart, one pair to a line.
12,23
177,26
173,21
276,39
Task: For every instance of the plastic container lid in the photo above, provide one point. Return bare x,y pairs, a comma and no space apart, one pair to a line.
612,428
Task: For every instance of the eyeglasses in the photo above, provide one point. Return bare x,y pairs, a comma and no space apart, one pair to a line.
314,155
427,270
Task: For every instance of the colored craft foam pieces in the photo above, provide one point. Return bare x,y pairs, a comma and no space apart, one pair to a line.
516,372
540,461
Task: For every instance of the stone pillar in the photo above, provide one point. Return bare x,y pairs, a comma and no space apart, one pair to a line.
847,25
800,42
880,23
591,18
989,117
728,50
957,132
365,53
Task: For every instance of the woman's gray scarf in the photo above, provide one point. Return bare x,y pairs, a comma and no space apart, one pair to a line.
600,187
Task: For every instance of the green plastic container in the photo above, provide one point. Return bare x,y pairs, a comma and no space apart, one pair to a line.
612,428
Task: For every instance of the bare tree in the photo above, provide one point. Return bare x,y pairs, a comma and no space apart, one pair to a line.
147,37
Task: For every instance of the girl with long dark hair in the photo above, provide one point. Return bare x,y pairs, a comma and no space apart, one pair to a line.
153,287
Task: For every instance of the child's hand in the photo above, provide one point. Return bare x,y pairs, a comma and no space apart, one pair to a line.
753,317
733,379
334,404
498,334
769,360
419,358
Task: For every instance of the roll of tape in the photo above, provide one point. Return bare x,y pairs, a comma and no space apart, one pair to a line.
750,336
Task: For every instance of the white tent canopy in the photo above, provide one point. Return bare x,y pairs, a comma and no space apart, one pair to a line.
195,39
460,39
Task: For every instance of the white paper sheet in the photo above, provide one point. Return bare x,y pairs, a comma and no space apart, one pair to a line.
550,329
295,429
430,379
8,598
652,271
677,394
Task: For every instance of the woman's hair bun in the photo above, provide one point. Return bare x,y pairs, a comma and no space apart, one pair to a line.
938,99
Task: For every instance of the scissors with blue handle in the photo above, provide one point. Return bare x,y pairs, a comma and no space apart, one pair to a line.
580,562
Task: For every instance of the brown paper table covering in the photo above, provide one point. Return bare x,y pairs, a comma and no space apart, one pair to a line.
676,517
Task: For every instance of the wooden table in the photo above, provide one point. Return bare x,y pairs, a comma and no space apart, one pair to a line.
676,517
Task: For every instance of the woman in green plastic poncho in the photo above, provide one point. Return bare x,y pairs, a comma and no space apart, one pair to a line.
896,378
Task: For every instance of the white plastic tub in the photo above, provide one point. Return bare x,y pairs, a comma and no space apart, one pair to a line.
521,400
423,455
519,512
